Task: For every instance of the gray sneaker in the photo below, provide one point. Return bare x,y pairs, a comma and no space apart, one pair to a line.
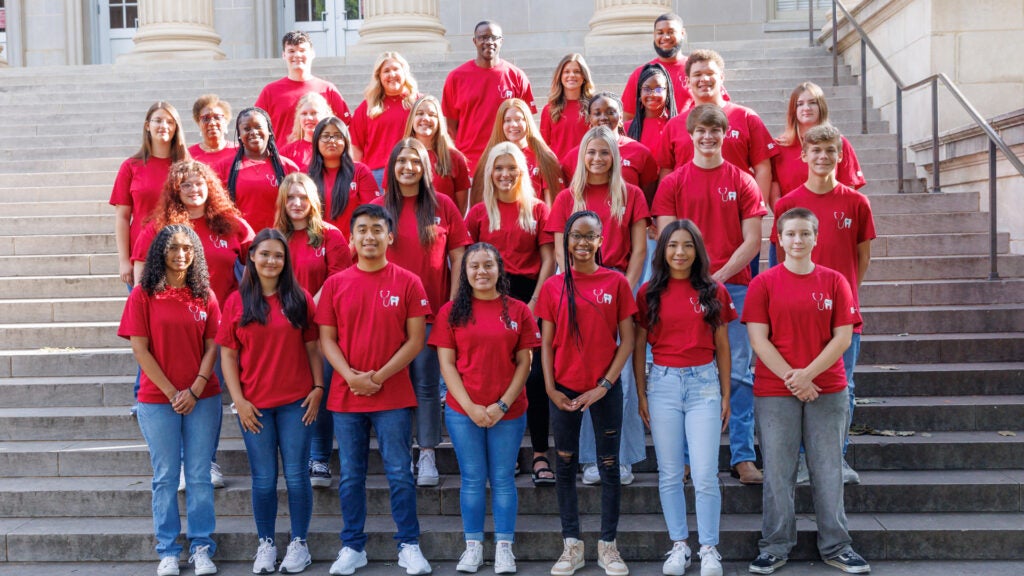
850,475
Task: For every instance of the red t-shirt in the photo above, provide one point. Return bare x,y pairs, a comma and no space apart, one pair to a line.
747,142
472,96
362,190
212,158
358,303
618,241
272,361
520,249
566,133
603,299
844,221
178,326
139,186
680,86
313,266
256,189
221,252
718,201
536,177
638,165
429,263
651,136
688,340
485,350
298,151
457,181
800,311
377,136
791,172
280,97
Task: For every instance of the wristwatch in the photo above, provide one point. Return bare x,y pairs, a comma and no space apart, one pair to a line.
502,406
605,383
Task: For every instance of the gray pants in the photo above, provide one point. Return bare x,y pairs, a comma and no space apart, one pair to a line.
782,422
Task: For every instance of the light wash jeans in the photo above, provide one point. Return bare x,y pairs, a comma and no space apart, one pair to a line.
741,380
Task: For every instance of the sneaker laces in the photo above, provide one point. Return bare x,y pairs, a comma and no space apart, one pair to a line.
200,556
706,550
266,551
295,549
611,554
567,553
503,554
678,549
320,467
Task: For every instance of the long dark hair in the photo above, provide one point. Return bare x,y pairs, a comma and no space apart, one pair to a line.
462,306
426,198
272,153
346,172
636,129
293,300
154,273
700,275
569,285
179,151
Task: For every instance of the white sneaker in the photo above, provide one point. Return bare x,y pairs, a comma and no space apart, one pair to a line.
347,562
296,558
428,469
200,560
625,475
504,559
168,566
473,558
216,477
678,560
590,474
181,480
710,561
265,560
850,475
571,559
608,557
411,558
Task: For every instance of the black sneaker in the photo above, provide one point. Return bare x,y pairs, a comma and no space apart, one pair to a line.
319,474
766,563
849,562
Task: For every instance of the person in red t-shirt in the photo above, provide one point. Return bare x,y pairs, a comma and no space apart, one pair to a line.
272,368
800,317
587,337
342,183
371,382
213,116
683,315
279,97
655,106
171,320
513,220
379,120
309,111
448,166
484,340
514,123
722,200
473,92
430,240
562,122
141,178
253,175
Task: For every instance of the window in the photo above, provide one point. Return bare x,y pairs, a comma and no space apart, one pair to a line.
309,10
3,17
124,14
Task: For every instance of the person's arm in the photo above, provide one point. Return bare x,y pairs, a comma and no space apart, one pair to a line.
455,258
763,177
248,415
724,362
625,348
801,380
664,172
357,153
863,260
744,253
137,267
547,364
359,382
640,373
453,126
462,200
316,395
774,193
663,221
122,225
147,362
638,252
560,250
766,351
547,268
185,400
524,358
453,380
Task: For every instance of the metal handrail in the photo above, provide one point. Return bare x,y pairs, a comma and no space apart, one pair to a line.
995,142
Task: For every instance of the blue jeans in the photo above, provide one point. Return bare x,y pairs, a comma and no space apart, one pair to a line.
632,438
425,372
686,407
741,381
323,429
850,363
284,432
378,175
394,438
171,437
487,454
773,255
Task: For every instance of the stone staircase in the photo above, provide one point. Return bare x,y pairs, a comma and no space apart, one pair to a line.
943,351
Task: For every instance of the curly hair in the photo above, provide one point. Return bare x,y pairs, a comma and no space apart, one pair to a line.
221,214
255,307
700,275
462,306
154,273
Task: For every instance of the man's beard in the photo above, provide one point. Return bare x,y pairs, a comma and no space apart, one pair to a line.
671,53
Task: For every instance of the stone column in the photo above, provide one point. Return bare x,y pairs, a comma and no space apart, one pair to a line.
408,26
179,30
623,23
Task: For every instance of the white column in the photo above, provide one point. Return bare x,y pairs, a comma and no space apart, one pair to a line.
624,23
179,30
408,26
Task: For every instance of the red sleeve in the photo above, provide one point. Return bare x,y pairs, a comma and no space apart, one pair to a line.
762,145
627,304
728,307
312,332
358,127
140,248
289,166
458,235
212,317
641,307
245,238
442,336
542,213
637,204
546,302
755,305
226,334
666,157
135,318
338,104
559,212
366,185
416,298
460,170
780,209
338,257
526,91
262,99
866,225
665,198
751,201
545,124
845,309
848,172
325,312
529,333
629,92
450,97
121,194
474,221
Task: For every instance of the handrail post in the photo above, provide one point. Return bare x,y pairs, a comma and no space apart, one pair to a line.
835,46
899,138
863,87
810,23
936,186
994,271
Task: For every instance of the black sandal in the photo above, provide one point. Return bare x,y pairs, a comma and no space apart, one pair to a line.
539,480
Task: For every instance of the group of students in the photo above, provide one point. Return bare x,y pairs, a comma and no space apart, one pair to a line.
330,283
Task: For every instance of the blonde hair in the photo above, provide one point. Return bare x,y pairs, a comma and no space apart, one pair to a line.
792,132
318,102
374,92
523,189
315,220
442,144
547,162
616,185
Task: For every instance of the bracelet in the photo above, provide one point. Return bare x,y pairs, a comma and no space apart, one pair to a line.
193,393
315,387
203,377
605,383
502,406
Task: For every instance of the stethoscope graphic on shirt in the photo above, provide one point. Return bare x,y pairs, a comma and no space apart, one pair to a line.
822,302
387,300
197,312
601,296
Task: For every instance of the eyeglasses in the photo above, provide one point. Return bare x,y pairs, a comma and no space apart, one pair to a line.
657,91
575,237
161,121
209,118
489,38
332,138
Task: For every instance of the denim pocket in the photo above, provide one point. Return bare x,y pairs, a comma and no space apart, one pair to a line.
705,380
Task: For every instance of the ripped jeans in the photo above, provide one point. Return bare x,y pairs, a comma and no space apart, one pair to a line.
606,415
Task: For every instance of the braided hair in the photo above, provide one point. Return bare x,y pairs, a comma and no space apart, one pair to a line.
272,153
569,285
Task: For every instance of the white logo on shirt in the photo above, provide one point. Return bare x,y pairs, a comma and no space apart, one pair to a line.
771,145
626,163
424,302
824,303
601,296
387,300
853,310
697,306
727,195
511,325
319,252
218,242
505,93
272,178
734,133
437,220
352,186
197,312
842,221
535,171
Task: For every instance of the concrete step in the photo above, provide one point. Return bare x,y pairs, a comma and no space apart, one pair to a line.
59,335
56,209
69,164
943,267
60,362
941,292
58,265
943,319
88,179
60,244
941,413
61,287
939,451
941,348
80,423
61,310
884,380
71,391
44,225
938,244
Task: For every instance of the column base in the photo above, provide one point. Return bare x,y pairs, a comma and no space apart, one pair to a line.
163,42
401,33
624,26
